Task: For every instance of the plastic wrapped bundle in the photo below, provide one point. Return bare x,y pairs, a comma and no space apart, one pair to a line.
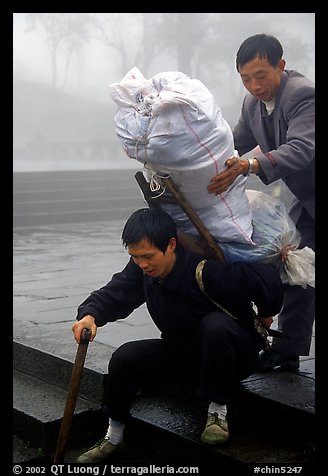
173,125
276,241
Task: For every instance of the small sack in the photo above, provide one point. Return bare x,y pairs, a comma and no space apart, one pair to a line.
276,240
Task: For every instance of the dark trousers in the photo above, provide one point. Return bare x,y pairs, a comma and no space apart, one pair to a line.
296,321
224,354
298,312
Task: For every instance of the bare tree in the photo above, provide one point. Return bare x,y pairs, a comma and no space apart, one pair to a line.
183,34
131,38
143,38
65,34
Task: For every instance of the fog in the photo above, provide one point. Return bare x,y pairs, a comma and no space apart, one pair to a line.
63,63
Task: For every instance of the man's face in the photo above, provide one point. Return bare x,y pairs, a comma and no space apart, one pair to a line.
261,79
151,260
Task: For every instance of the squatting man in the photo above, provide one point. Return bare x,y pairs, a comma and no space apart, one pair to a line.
213,347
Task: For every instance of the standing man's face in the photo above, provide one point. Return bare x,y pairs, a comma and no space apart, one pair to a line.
261,79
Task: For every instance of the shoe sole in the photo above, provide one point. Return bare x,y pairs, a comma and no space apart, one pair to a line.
289,367
284,368
213,442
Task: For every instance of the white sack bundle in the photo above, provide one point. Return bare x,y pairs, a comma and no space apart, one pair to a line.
276,241
173,125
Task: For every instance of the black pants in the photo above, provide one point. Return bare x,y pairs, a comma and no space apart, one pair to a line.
297,315
224,355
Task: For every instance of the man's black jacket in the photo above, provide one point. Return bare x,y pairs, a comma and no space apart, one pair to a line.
177,305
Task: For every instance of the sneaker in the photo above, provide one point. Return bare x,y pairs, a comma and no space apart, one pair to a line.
216,431
272,359
100,451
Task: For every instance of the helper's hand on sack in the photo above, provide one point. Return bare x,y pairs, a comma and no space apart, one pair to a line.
221,182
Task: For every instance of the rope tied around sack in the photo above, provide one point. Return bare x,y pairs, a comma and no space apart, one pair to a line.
285,250
155,184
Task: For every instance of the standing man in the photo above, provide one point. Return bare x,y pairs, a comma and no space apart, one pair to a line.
278,115
216,348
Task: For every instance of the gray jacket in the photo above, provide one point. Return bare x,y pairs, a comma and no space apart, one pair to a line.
294,134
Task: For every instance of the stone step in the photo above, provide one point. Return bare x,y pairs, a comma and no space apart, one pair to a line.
292,391
38,408
164,427
162,431
55,370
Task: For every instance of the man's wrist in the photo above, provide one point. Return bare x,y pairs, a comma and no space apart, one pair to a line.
249,170
252,167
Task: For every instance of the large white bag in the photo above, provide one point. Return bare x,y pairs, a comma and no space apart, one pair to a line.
173,125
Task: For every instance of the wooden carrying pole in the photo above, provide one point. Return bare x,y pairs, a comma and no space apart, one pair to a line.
170,185
72,396
196,221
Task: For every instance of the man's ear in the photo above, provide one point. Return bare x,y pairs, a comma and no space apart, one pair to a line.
172,244
281,65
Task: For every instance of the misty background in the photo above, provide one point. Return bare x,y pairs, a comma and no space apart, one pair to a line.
63,63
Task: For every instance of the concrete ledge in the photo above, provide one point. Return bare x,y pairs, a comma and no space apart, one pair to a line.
166,424
57,371
39,408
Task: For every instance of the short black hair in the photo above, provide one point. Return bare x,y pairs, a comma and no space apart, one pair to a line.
262,46
151,224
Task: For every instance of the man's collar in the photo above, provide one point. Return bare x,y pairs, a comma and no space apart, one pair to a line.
173,279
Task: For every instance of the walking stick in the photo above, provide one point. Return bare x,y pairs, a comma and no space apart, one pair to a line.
72,396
